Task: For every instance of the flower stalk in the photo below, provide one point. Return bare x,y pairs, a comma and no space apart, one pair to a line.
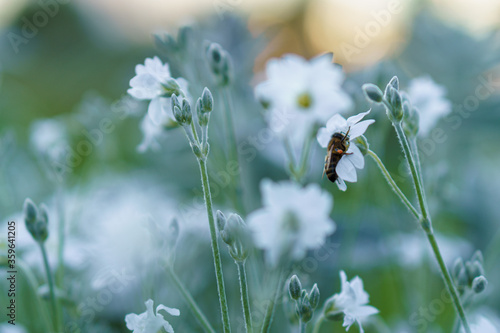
245,300
52,294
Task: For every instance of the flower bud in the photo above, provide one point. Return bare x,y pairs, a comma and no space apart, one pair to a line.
36,220
373,93
477,256
463,279
30,211
305,310
362,144
394,82
476,269
295,287
397,105
207,101
219,63
174,100
411,123
203,118
178,115
335,315
479,284
171,87
186,112
314,296
458,265
236,235
221,220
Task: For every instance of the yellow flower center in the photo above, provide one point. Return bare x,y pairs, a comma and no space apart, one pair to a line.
304,100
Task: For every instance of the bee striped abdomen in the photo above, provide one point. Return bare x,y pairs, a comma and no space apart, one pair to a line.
336,149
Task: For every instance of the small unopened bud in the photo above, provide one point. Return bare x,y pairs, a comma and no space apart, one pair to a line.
30,211
373,93
207,101
236,235
36,220
219,62
362,144
203,118
411,123
171,87
178,115
458,265
479,284
463,279
314,296
476,269
295,287
394,82
221,220
305,310
174,100
186,112
397,105
478,256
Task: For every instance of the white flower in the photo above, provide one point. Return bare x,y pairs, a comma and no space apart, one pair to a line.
148,84
482,325
49,138
346,167
352,302
301,93
149,322
293,219
429,99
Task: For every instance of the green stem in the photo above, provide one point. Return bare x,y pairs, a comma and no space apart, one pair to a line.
50,281
303,327
393,184
32,283
61,236
245,300
318,323
268,319
193,306
215,246
232,147
426,224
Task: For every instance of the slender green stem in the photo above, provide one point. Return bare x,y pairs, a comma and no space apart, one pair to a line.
245,300
50,281
61,235
318,323
393,184
303,327
32,283
215,246
232,146
268,319
193,306
426,224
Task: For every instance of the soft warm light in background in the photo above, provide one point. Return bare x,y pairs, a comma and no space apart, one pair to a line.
359,32
9,10
478,16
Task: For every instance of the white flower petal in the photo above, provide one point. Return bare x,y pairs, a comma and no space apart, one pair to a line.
132,320
171,311
323,137
355,156
360,128
356,118
341,184
155,111
365,310
346,170
337,123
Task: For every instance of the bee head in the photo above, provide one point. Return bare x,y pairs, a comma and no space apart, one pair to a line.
346,141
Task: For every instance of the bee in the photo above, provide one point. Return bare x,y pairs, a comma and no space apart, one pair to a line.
337,148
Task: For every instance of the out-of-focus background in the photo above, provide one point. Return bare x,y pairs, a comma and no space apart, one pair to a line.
70,61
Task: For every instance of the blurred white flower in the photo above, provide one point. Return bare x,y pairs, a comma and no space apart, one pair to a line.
354,127
49,138
300,94
428,98
9,328
412,249
482,325
149,83
149,321
293,219
352,301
